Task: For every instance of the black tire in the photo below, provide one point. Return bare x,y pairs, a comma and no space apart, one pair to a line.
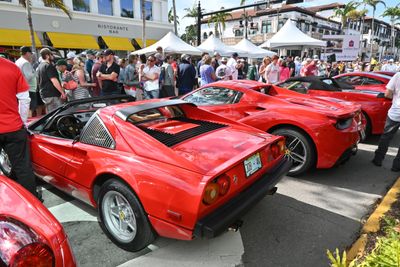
5,165
306,146
144,234
368,127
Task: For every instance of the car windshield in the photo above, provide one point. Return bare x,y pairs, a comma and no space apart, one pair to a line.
297,86
211,96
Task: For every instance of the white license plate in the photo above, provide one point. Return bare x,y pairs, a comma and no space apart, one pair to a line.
252,164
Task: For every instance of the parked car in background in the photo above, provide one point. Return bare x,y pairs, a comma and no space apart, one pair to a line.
374,105
159,167
318,132
365,80
29,233
387,73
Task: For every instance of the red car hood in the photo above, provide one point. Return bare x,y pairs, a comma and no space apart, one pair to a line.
329,106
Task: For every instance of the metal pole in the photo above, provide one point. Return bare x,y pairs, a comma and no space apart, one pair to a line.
199,16
246,24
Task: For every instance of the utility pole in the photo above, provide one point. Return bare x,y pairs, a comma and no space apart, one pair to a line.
199,17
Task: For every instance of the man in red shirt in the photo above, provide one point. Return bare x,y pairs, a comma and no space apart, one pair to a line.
311,69
14,109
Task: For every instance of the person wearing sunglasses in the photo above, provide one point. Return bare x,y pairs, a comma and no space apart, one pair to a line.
149,75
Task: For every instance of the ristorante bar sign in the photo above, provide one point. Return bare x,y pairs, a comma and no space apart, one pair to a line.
113,29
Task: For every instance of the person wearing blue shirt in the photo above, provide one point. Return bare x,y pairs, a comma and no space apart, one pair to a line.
186,75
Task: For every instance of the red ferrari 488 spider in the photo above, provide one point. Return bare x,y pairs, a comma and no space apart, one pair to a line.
156,167
374,105
29,233
318,132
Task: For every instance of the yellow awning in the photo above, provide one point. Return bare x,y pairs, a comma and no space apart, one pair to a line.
148,42
118,43
11,37
69,40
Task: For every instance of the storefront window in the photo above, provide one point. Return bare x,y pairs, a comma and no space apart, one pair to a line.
105,7
81,5
148,9
266,26
127,8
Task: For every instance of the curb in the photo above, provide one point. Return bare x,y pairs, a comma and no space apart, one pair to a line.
373,223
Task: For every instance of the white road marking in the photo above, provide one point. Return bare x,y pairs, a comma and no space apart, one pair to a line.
74,211
225,250
371,148
345,202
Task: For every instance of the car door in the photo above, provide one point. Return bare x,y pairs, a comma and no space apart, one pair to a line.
50,155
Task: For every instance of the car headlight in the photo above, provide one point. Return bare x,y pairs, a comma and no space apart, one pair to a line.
344,123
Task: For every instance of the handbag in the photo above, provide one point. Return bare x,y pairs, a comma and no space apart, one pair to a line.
70,85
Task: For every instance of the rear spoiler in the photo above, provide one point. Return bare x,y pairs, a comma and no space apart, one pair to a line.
125,113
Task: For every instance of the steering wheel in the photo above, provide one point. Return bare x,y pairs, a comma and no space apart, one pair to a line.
69,126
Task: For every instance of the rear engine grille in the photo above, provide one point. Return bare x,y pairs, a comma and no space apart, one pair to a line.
173,139
97,134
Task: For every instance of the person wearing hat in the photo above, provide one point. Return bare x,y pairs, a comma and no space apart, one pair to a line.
389,66
223,72
234,66
108,74
24,63
14,109
70,60
90,56
186,75
50,87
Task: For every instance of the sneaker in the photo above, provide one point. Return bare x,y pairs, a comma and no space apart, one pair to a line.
377,162
395,169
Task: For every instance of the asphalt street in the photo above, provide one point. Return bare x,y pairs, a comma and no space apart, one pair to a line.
320,210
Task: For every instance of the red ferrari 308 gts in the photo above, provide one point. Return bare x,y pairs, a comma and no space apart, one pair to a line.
156,167
29,233
365,80
374,105
318,132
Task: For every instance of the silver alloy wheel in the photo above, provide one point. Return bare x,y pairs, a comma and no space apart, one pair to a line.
119,217
5,162
296,152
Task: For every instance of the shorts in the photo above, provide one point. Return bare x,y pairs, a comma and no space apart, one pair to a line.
52,103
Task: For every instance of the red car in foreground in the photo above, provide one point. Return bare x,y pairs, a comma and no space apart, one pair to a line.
318,132
374,105
29,233
160,167
365,80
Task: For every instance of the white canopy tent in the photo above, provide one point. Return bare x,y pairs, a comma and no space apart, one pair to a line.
290,36
171,44
214,44
251,50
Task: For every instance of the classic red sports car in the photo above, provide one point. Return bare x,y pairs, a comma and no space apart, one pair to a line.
374,105
365,80
318,132
29,233
156,167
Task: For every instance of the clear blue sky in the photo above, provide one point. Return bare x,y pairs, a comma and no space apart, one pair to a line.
211,5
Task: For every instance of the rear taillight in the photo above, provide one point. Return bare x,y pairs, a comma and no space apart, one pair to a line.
278,149
20,246
218,187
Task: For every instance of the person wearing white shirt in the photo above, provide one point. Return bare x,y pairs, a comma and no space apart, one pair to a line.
392,124
272,71
233,65
150,74
223,72
390,66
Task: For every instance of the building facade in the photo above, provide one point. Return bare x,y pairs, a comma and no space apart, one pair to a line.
95,24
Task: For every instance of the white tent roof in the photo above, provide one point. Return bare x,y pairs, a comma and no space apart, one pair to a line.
214,44
171,44
251,50
289,35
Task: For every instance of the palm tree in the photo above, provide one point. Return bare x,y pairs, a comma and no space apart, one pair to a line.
193,13
219,21
394,14
27,4
173,19
343,12
143,10
373,4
